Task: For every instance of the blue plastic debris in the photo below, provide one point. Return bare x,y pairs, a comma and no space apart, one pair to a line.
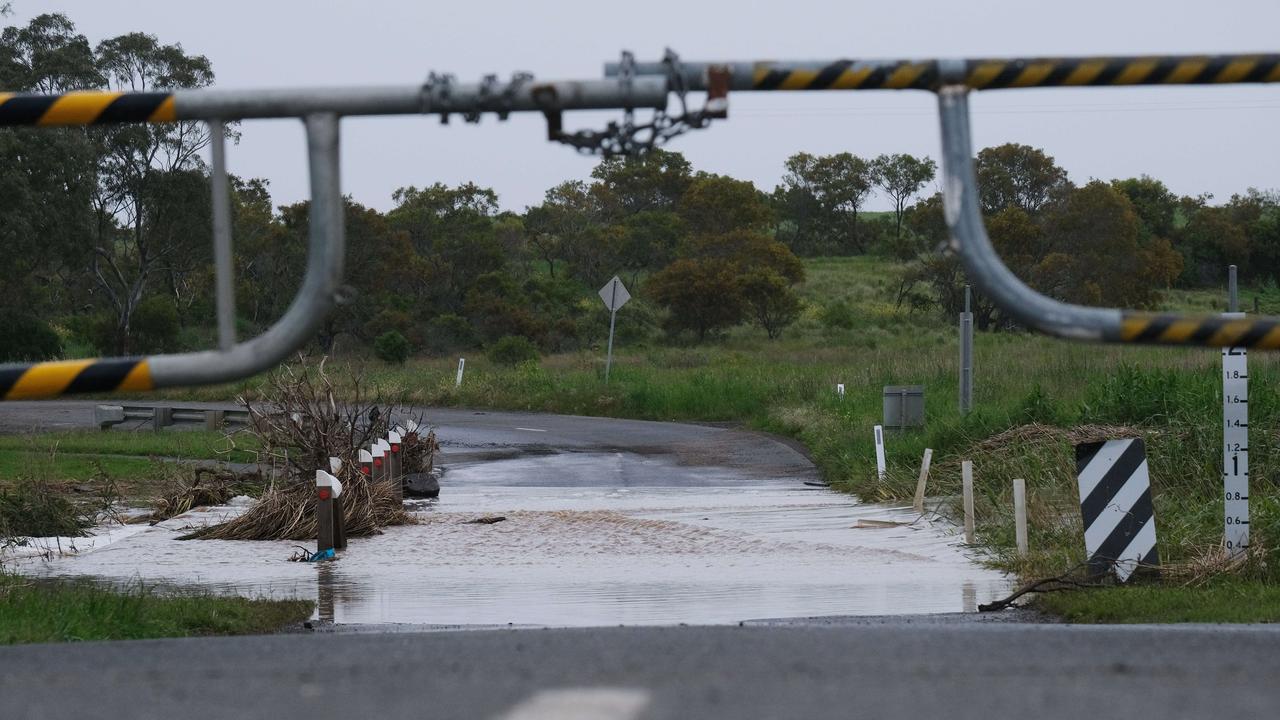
322,555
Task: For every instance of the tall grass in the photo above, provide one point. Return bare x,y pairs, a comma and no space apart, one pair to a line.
57,611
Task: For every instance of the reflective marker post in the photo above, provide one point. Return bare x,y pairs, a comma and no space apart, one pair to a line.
339,510
328,490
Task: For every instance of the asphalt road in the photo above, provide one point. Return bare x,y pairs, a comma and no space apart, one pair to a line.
888,670
473,435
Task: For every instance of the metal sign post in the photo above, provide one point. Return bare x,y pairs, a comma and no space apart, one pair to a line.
615,295
1235,435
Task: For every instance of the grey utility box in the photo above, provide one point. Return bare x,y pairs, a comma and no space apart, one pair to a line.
903,406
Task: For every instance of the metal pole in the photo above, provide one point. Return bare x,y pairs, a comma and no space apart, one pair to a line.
608,362
223,284
966,356
1233,292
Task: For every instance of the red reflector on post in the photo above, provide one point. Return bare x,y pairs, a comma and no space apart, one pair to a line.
395,448
377,462
364,469
324,493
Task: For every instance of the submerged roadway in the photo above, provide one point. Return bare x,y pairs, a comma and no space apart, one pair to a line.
953,666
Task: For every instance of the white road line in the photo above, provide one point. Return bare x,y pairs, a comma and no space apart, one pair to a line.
531,429
600,703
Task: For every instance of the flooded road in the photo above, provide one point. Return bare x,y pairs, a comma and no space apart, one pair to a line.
650,543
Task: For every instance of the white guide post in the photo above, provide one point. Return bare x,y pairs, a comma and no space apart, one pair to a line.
966,477
1020,515
879,452
918,505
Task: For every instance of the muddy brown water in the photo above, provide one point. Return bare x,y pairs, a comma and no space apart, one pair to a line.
707,551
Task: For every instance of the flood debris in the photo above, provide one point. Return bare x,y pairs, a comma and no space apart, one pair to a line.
187,488
878,524
422,485
300,425
490,520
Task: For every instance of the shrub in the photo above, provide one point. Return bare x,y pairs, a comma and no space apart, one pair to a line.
154,325
391,346
26,338
449,332
839,315
36,509
513,350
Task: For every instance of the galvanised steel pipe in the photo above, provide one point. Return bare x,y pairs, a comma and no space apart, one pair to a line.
94,107
952,80
982,263
321,110
976,74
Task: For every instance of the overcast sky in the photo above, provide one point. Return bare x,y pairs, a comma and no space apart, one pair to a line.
1198,140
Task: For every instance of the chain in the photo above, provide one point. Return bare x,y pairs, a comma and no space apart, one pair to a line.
624,138
629,138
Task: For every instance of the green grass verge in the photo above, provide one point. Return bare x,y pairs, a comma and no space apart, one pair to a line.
1224,601
34,611
185,444
18,464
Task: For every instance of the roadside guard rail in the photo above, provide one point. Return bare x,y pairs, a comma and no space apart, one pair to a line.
160,416
629,85
952,80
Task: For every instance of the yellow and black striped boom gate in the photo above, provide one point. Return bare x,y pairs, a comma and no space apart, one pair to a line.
320,110
628,86
952,81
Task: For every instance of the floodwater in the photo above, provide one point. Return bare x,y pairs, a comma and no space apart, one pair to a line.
708,550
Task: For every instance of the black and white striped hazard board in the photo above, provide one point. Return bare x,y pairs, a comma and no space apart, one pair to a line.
1115,501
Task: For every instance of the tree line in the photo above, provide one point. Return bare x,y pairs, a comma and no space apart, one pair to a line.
108,234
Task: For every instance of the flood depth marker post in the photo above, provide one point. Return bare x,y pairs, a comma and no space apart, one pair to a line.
1235,435
615,295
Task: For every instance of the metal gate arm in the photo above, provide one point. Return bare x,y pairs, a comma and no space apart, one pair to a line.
983,265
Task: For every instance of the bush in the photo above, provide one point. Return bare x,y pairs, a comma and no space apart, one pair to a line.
391,346
154,326
26,338
837,315
36,509
513,350
449,332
